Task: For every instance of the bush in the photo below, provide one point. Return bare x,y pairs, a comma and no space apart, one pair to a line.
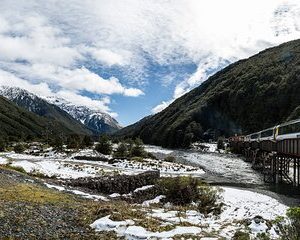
104,146
220,144
73,141
122,151
137,159
263,236
290,228
16,168
180,190
91,158
57,144
87,141
185,190
19,148
151,155
241,236
137,149
2,145
209,200
170,159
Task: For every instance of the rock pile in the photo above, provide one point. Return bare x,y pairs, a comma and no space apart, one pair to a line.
121,184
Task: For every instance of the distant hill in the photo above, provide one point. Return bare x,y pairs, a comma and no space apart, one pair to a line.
39,106
245,97
17,123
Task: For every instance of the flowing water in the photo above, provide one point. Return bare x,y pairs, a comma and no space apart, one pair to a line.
231,170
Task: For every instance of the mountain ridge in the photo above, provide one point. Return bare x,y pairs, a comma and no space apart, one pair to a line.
96,120
80,119
19,124
39,106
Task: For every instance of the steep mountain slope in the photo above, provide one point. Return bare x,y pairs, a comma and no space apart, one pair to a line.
41,107
98,121
17,123
246,96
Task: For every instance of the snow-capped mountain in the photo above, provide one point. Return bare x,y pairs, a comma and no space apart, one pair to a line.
41,107
19,95
96,120
62,110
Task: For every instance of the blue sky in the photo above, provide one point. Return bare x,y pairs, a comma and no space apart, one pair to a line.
132,58
132,109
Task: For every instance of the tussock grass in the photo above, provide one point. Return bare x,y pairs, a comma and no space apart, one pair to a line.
23,192
15,168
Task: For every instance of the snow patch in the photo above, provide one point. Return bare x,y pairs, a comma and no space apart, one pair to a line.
77,192
89,196
129,231
143,188
3,161
153,201
59,188
241,204
156,149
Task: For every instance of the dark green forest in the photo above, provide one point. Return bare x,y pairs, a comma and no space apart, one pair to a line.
18,124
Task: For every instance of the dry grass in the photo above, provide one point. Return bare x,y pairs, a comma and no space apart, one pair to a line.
33,193
14,168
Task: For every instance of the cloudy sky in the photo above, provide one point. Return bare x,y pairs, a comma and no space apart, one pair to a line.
132,58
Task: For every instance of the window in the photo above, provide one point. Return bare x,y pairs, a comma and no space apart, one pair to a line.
288,129
254,136
267,133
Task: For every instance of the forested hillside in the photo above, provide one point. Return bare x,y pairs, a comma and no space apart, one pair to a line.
17,123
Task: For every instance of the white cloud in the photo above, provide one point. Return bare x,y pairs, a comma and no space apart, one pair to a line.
43,90
77,79
8,79
207,67
133,92
108,57
40,57
127,34
33,40
161,106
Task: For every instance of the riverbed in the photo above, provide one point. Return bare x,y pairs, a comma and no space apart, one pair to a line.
230,170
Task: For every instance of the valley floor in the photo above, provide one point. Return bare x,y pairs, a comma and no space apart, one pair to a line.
37,204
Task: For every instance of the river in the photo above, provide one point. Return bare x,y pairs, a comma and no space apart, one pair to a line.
231,170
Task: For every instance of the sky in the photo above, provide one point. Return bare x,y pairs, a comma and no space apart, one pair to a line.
132,58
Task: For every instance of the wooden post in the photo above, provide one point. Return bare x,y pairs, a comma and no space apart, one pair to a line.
294,168
298,176
276,170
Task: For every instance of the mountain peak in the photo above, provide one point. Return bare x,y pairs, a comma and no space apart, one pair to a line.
94,119
15,92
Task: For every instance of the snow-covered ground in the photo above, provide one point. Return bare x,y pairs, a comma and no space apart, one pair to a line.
240,205
130,231
63,166
3,160
156,149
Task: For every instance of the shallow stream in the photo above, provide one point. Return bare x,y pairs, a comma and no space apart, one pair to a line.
231,170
